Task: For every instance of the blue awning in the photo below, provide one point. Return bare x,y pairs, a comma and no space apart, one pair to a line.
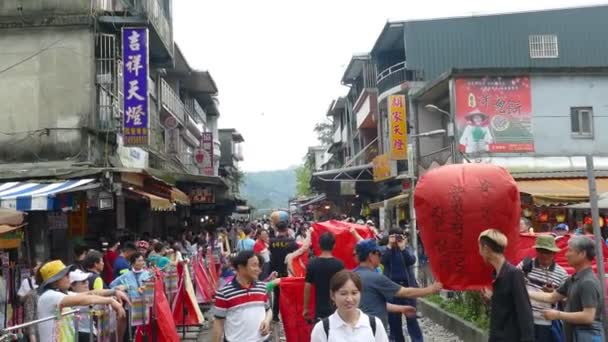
26,196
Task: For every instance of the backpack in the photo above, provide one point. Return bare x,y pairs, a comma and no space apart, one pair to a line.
372,323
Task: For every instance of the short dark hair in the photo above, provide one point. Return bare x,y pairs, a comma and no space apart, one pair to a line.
158,247
92,258
134,257
327,241
80,249
242,258
282,226
395,231
492,245
128,246
247,231
341,278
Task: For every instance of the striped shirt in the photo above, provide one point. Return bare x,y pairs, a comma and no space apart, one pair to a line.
539,276
243,310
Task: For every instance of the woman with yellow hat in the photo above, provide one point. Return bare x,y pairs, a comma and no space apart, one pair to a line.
54,285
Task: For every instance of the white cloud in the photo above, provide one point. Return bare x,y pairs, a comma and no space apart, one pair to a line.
285,59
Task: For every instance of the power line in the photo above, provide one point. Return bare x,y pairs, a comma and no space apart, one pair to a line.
29,57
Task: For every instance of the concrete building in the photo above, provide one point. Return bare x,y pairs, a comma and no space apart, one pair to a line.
413,57
61,104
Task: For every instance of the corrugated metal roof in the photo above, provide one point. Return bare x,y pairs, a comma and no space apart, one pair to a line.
556,175
503,40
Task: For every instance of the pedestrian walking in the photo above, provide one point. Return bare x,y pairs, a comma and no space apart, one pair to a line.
582,313
93,264
348,322
378,290
280,247
261,248
319,272
398,261
511,312
543,274
242,307
121,264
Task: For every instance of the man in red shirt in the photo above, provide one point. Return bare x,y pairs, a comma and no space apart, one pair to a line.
110,253
261,248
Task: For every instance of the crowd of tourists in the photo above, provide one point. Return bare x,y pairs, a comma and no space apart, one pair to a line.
533,301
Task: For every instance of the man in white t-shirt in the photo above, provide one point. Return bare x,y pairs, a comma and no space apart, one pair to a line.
54,298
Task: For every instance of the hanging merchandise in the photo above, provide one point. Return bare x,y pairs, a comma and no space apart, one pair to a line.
543,217
589,220
454,204
560,217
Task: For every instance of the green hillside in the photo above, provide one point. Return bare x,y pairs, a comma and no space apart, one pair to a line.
269,189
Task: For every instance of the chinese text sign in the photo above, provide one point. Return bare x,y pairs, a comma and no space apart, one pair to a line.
135,77
398,130
494,114
207,145
381,168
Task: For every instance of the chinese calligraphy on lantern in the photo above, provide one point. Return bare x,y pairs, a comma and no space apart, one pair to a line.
398,128
135,74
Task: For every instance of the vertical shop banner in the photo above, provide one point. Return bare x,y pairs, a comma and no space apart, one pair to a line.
398,128
382,168
205,155
135,76
494,114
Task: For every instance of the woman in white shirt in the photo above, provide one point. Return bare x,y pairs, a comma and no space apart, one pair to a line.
348,323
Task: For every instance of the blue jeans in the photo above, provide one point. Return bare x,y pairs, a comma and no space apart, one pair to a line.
395,323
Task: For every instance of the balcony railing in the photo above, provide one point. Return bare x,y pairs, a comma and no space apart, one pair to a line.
337,135
196,110
171,101
396,75
108,113
155,12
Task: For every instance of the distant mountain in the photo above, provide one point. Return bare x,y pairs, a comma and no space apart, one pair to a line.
269,189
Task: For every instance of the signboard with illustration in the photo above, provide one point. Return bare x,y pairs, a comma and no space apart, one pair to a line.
494,115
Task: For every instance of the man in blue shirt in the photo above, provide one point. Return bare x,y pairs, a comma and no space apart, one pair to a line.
378,290
121,265
247,243
398,263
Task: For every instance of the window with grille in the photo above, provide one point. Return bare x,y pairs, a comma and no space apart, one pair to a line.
581,121
543,46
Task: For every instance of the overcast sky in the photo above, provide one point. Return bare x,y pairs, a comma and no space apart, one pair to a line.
278,64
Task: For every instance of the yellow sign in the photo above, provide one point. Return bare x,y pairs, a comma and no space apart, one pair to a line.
398,130
381,167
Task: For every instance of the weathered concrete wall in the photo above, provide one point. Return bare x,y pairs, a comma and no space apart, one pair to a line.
9,8
46,92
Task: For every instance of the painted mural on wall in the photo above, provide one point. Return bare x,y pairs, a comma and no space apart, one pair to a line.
494,115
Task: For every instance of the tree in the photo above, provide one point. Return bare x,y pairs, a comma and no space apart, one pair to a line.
303,176
325,132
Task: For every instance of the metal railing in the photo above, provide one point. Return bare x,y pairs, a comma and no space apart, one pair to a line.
155,12
396,75
10,333
196,110
171,101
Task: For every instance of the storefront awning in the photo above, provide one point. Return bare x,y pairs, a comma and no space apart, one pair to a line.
391,202
177,196
553,192
156,202
27,196
313,200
